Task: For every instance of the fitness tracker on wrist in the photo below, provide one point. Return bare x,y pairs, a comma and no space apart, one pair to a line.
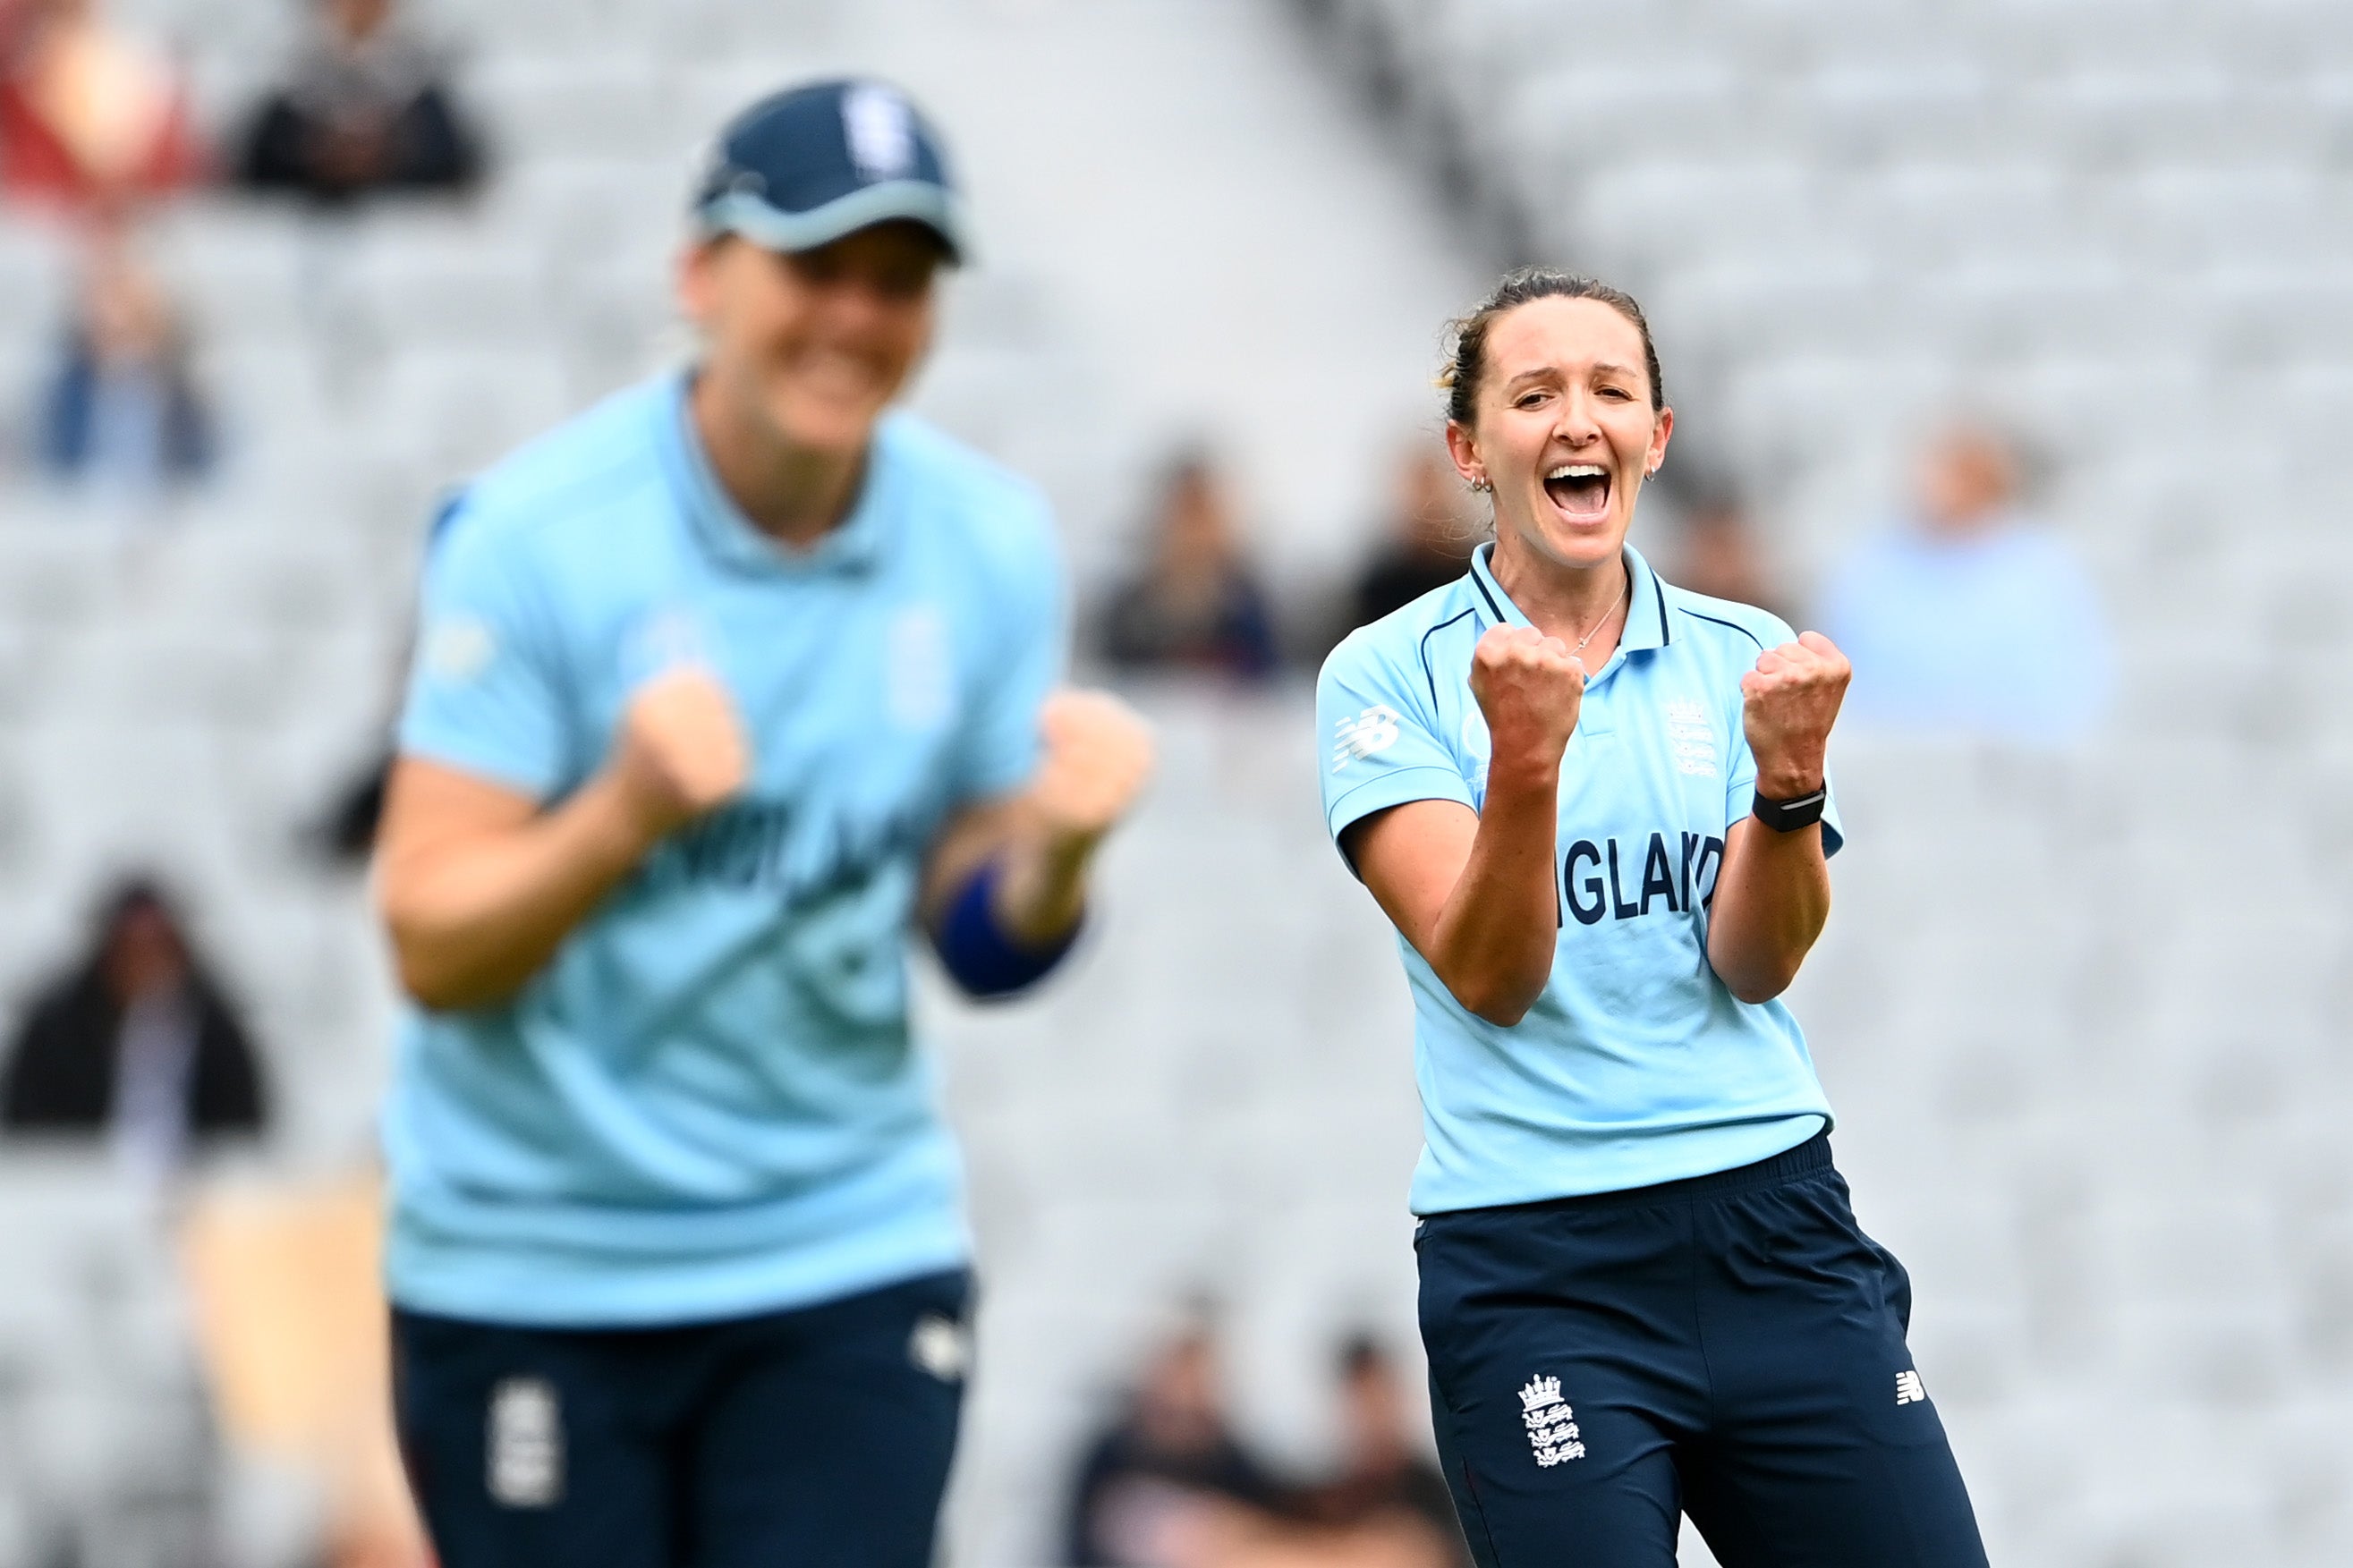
1789,816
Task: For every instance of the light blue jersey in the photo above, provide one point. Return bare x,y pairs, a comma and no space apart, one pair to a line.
1636,1065
709,1104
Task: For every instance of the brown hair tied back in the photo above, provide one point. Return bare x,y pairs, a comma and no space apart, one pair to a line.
1468,362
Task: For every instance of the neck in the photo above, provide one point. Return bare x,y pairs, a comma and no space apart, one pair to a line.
794,495
1568,602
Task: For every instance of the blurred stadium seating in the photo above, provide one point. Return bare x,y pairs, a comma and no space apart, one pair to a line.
2082,1014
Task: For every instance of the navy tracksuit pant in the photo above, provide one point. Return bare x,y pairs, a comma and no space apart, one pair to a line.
1731,1347
819,1437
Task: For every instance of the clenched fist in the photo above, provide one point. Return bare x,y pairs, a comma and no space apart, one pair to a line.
1529,687
1098,755
680,750
1792,699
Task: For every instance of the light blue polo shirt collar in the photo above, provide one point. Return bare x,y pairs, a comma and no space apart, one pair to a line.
734,539
1646,617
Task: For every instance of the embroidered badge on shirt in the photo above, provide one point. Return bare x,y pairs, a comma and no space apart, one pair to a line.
1690,738
921,680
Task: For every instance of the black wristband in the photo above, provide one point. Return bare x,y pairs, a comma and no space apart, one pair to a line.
1789,816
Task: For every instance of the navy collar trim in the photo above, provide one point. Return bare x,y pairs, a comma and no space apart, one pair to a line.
1646,617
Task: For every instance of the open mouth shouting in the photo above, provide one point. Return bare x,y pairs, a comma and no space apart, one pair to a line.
1579,492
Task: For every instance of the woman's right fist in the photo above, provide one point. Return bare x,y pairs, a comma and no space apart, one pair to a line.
1528,687
680,750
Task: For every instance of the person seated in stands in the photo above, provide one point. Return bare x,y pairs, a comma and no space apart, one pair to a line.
364,109
1716,554
1168,1476
1428,543
1387,1500
1969,618
122,411
1195,606
88,116
135,1044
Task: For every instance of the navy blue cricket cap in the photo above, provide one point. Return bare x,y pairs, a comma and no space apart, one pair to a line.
805,166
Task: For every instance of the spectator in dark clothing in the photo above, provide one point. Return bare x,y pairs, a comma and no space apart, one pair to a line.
135,1045
122,410
364,109
1167,1467
1386,1487
347,833
1429,543
1196,604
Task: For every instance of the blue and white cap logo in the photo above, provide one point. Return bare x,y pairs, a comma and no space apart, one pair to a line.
880,130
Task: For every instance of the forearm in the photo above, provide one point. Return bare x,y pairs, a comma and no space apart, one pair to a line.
1493,942
1041,883
1772,898
472,920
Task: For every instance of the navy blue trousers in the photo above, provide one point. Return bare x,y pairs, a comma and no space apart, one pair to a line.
819,1437
1730,1347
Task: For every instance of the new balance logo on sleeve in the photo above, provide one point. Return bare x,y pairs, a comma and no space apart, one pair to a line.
1908,1390
1369,734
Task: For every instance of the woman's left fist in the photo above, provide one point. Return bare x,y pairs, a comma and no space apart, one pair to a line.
1098,756
1792,699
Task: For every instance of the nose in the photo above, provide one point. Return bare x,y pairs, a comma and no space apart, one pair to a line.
1576,425
858,302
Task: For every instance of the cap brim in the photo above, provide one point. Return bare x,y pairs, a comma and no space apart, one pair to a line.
772,227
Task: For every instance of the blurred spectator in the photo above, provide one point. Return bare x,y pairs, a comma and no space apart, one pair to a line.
1716,554
135,1044
1429,542
1168,1470
1195,606
122,410
364,109
1386,1489
87,115
1970,619
347,834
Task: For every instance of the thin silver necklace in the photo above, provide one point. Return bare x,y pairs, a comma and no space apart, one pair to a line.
1625,588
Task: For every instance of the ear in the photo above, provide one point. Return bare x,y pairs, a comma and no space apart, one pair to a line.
1658,453
697,279
1464,448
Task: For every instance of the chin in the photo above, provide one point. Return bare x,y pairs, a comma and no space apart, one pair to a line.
1581,545
826,426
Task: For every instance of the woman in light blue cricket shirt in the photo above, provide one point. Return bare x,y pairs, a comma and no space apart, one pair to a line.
1596,810
723,689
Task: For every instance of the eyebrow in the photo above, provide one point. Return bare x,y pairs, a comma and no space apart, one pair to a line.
1608,367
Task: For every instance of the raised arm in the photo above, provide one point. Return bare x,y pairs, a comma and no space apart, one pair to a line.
1475,892
478,885
1036,845
1773,893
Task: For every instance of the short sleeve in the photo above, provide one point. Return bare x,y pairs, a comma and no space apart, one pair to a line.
997,748
485,691
1377,747
1740,789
